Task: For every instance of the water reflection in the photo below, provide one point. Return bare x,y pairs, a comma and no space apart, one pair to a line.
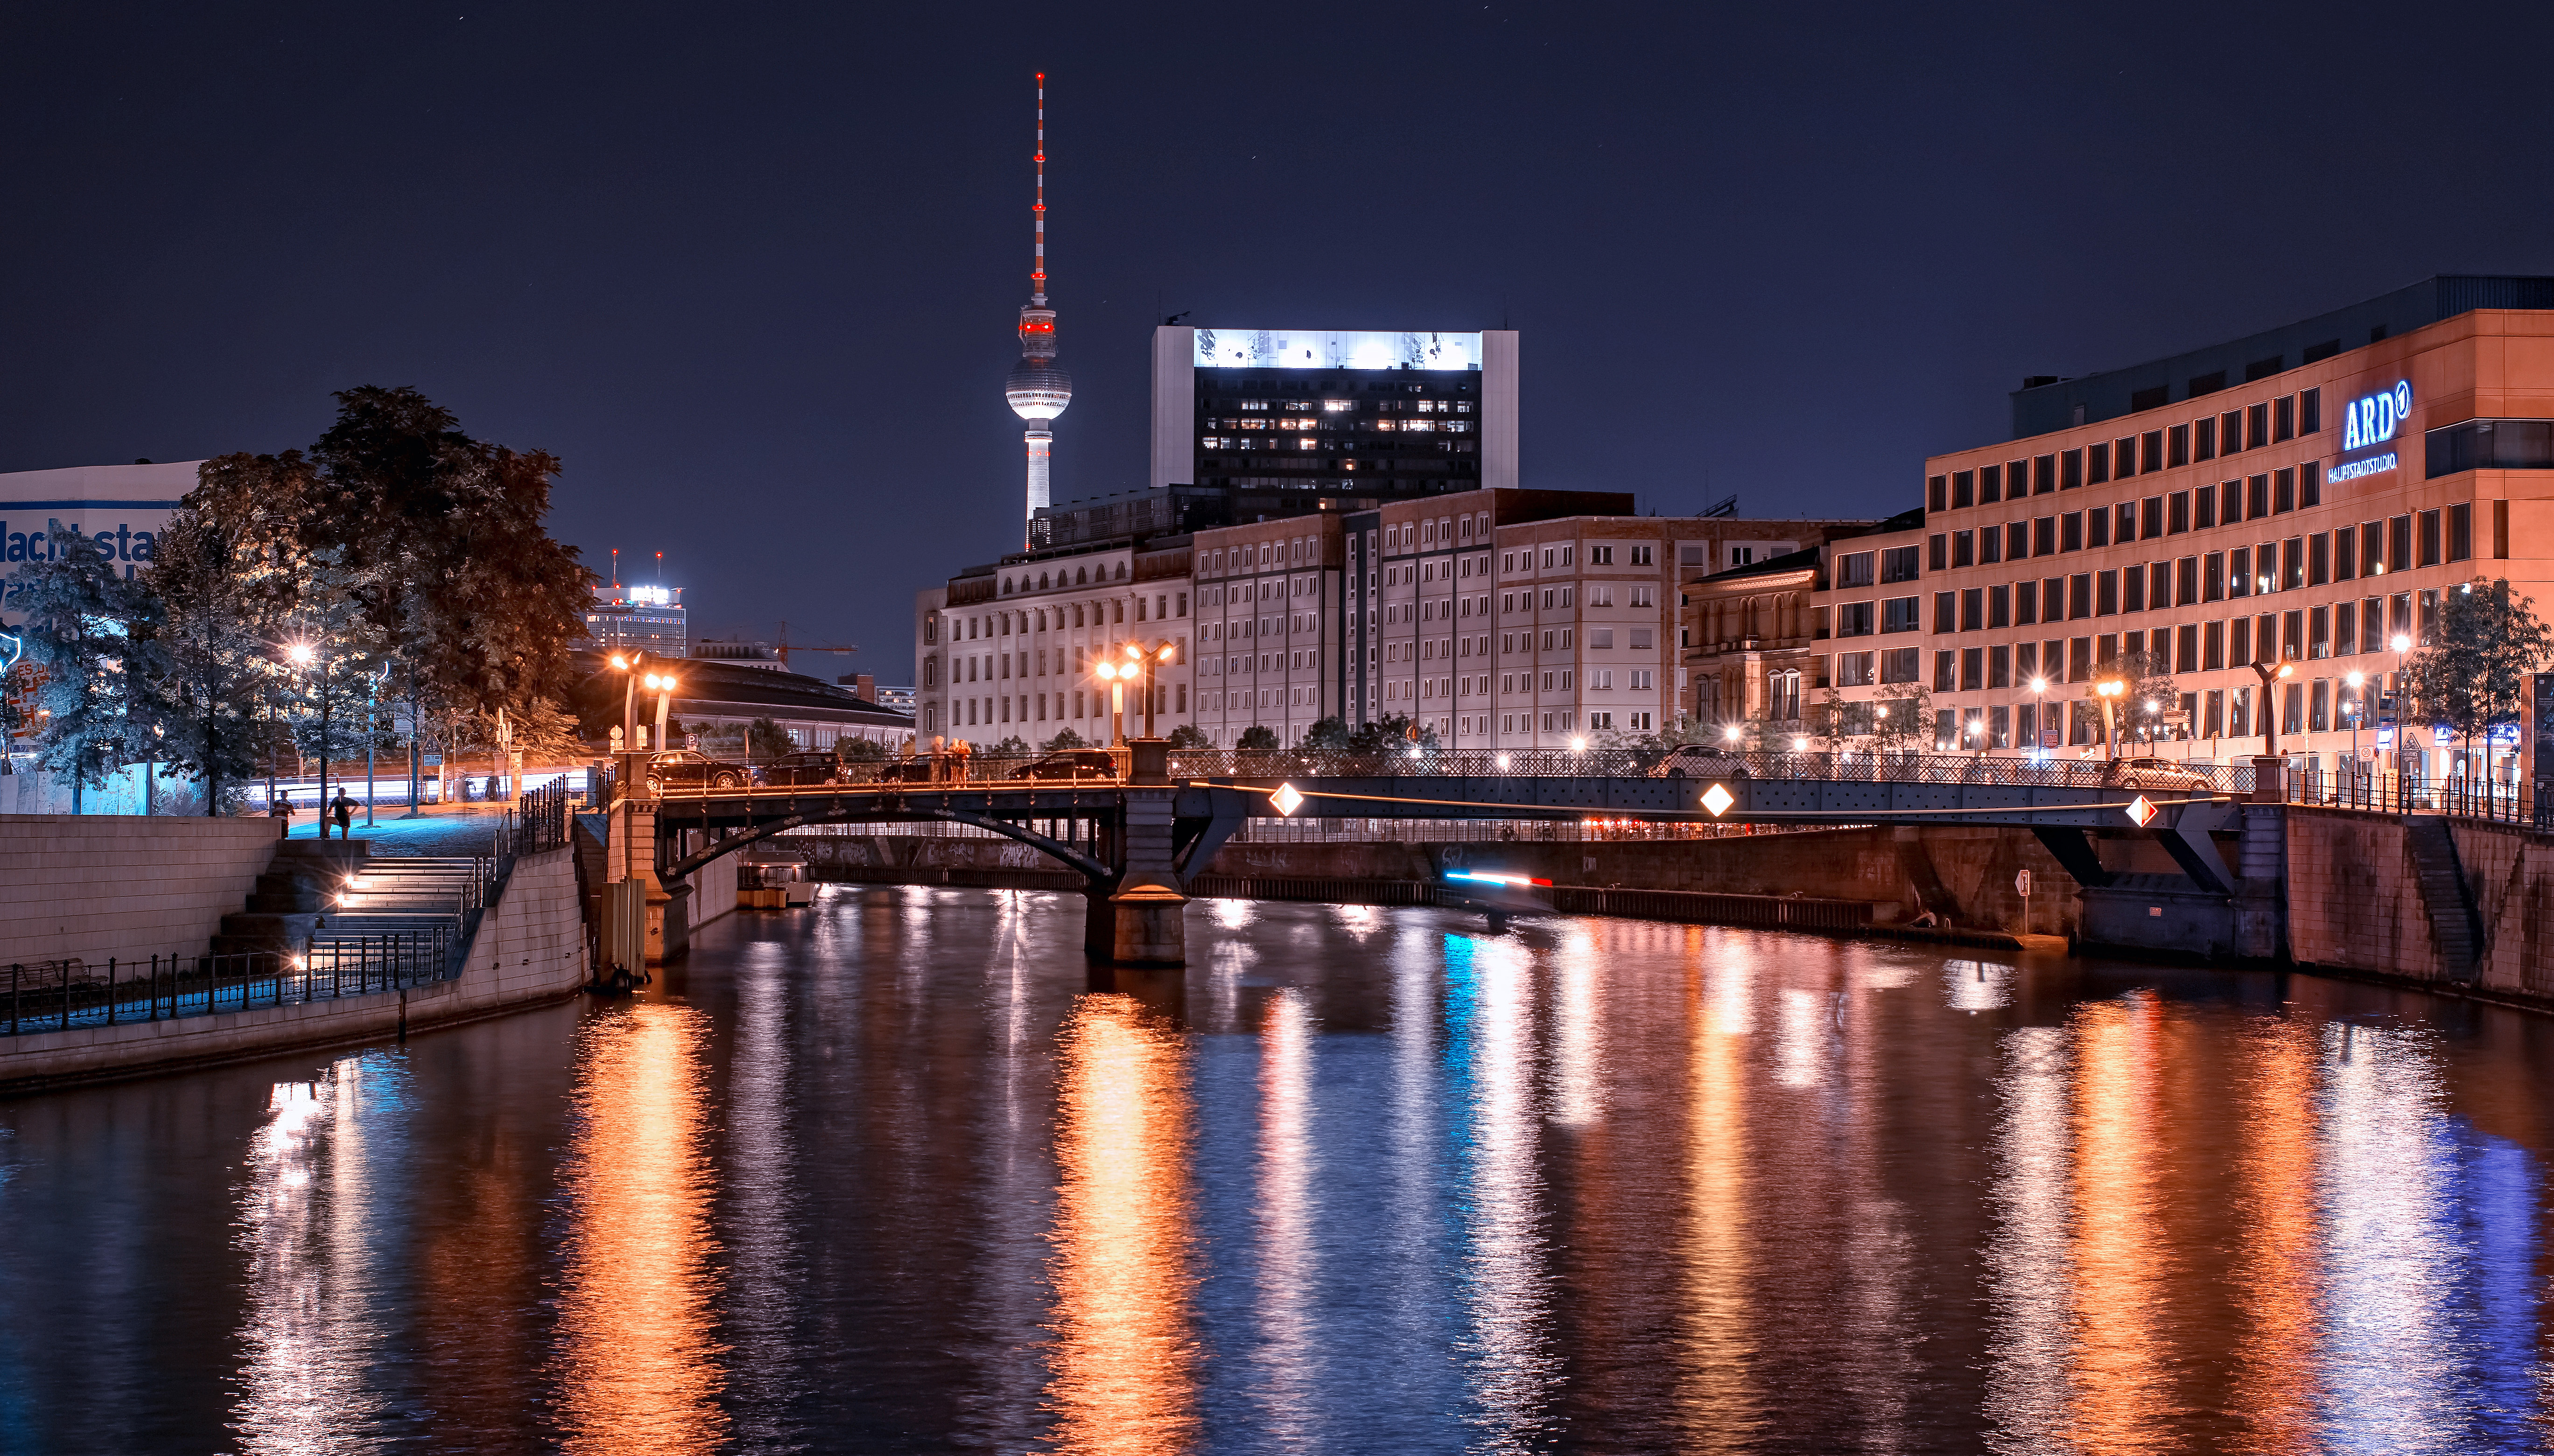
1504,1290
1288,1269
638,1366
1722,1409
1125,1360
307,1229
2033,1268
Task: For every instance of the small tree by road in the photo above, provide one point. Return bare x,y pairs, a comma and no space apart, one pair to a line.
2474,679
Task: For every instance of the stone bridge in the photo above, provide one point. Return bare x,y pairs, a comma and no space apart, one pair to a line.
1139,838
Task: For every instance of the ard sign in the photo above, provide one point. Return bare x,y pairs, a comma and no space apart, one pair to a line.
2373,420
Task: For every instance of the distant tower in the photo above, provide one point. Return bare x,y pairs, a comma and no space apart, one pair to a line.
1039,390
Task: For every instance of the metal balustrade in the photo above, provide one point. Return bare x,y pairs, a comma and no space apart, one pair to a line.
58,995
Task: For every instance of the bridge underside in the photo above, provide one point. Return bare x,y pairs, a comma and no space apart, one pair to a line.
1140,846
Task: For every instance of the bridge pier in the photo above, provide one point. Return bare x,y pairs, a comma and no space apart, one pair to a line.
1141,919
632,856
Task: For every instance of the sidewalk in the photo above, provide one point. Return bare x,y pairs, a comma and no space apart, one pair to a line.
443,830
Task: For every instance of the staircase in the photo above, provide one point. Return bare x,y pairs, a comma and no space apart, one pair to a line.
390,902
2454,927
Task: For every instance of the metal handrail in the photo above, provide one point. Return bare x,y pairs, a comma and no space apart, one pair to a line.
58,995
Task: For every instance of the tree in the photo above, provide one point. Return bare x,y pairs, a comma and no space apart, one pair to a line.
765,738
1329,733
1187,736
2474,679
1068,738
1012,746
2150,694
1831,720
860,750
1388,732
1901,716
79,633
216,668
1258,739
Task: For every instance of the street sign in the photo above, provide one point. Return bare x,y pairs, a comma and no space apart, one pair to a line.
1286,800
2021,885
2140,811
1718,799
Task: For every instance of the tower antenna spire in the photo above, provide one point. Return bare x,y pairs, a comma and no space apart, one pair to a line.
1037,274
1037,389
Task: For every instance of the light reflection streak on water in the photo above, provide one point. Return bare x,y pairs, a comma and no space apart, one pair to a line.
764,1217
1722,1408
1288,1266
2276,1278
2122,1387
1800,1037
637,1367
1976,985
306,1223
1578,1027
1504,1351
1125,1357
2029,1389
2389,1247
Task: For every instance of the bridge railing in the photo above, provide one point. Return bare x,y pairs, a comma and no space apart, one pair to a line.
59,995
2457,797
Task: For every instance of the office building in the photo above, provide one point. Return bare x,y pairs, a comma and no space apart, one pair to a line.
2309,494
1301,419
123,506
648,619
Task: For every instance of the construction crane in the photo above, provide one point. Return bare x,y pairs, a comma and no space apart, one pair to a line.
783,648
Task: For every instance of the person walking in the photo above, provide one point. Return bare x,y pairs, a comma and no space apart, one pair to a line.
344,809
281,807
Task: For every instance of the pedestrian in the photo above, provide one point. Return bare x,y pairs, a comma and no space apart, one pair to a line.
939,751
963,749
281,807
344,809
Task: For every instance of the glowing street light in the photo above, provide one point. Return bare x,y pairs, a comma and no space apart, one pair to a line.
2107,690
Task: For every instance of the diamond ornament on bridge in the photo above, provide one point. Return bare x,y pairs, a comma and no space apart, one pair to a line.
2140,810
1718,799
1286,800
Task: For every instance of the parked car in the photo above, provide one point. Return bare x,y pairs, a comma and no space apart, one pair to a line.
683,768
902,771
1700,761
1074,763
2156,773
818,766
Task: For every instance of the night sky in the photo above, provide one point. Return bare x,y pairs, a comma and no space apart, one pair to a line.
752,271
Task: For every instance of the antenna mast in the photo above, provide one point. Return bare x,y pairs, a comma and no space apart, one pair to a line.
1037,274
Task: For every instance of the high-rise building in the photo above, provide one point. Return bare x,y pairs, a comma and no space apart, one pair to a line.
643,618
1298,420
1037,389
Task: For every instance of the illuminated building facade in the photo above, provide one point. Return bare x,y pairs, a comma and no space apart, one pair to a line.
1300,419
2307,496
641,619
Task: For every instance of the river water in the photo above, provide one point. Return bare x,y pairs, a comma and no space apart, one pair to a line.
891,1175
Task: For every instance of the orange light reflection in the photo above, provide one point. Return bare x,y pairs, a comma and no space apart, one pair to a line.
639,1367
1124,1359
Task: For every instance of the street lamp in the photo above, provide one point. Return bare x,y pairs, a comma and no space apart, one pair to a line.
2108,689
2039,713
2358,709
662,684
308,655
1139,663
2270,711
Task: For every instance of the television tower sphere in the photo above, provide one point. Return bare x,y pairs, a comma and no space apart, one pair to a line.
1037,389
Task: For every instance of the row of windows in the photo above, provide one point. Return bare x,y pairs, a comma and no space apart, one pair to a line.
1887,614
2370,549
1896,564
2369,625
2208,506
1349,407
1157,608
2231,432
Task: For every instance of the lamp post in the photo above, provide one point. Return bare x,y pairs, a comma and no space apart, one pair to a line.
1139,668
2107,690
2401,644
306,655
2269,763
2358,709
1107,673
2039,713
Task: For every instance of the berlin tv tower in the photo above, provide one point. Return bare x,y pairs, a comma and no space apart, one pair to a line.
1039,390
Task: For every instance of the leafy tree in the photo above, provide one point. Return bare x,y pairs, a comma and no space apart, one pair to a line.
1391,731
1326,733
1831,720
860,750
1012,746
1257,738
79,639
217,669
1185,735
2474,678
1068,738
765,738
1901,716
2149,680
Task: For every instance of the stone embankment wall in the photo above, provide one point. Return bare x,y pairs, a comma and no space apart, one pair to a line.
529,949
2355,900
124,886
1965,874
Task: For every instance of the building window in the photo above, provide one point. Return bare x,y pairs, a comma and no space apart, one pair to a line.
1897,564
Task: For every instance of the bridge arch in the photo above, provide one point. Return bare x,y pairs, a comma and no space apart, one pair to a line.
1073,859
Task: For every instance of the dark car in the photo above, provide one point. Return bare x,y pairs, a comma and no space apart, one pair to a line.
1700,762
821,766
682,768
1074,763
902,771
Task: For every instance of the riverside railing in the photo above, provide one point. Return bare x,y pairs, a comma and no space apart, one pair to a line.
2455,797
1418,760
60,995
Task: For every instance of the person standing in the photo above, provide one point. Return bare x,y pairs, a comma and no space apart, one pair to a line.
344,810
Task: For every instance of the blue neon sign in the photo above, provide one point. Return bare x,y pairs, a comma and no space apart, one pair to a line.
2373,420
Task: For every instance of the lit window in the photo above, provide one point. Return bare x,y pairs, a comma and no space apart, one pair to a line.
1254,404
1337,407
